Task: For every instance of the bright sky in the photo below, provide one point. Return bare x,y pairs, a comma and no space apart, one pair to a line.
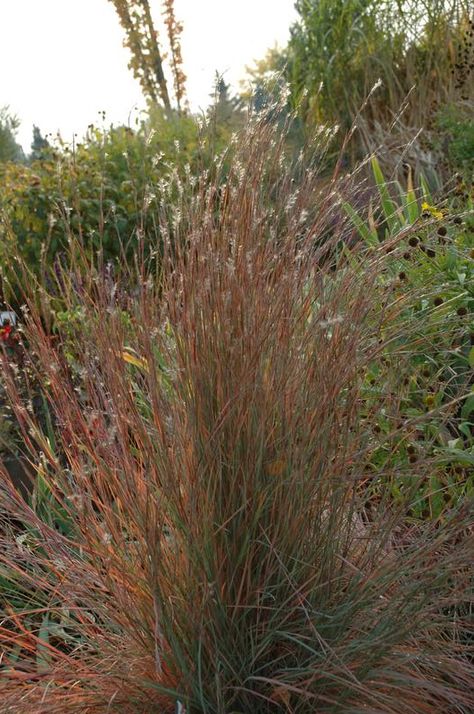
62,61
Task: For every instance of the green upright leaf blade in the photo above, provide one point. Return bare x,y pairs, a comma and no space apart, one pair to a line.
388,206
370,237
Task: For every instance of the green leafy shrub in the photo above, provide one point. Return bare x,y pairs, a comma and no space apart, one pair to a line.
456,139
385,71
105,190
433,261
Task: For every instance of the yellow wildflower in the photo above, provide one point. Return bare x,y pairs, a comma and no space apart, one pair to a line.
433,210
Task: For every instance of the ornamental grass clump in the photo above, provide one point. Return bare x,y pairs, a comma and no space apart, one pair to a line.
212,543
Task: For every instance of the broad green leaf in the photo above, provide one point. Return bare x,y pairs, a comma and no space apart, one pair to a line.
388,207
466,427
426,191
411,202
471,357
460,456
43,655
436,498
370,237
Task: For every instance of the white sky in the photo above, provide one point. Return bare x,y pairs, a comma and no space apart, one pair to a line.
62,61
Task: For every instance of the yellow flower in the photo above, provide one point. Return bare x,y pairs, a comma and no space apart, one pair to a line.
431,209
